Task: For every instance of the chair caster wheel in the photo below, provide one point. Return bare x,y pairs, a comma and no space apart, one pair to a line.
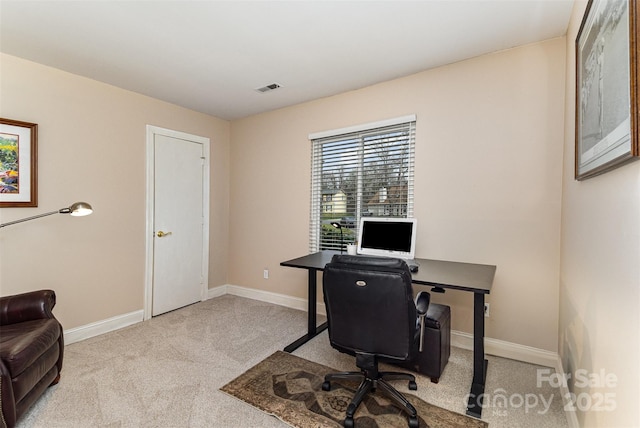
348,423
412,385
326,386
414,423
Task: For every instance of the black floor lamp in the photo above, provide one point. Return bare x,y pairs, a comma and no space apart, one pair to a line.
339,226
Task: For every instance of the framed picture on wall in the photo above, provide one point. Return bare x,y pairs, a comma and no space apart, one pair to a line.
18,164
606,87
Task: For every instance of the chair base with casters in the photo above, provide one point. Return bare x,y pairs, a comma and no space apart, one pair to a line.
370,380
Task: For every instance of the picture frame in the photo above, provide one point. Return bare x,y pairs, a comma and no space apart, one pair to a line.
18,163
607,93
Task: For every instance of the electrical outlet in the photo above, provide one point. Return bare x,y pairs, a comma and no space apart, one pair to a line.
265,273
486,310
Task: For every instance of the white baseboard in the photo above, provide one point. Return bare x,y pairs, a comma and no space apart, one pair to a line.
216,292
101,327
266,296
499,348
572,417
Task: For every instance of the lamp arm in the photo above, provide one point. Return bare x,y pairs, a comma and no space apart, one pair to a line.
29,218
78,209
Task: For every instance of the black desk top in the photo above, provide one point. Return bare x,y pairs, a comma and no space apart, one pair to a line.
471,277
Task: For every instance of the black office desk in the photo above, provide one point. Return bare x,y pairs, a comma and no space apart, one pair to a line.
474,278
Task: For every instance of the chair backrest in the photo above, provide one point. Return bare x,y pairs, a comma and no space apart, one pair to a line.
370,307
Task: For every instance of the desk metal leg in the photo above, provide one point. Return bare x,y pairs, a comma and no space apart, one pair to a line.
474,406
312,330
313,291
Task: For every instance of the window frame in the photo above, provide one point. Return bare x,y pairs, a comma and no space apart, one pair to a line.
343,136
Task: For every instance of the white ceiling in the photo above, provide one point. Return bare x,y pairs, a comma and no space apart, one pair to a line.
210,56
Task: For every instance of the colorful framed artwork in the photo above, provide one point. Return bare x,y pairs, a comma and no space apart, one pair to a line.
607,96
18,164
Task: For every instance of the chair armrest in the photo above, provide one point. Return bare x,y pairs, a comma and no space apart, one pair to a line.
422,305
27,306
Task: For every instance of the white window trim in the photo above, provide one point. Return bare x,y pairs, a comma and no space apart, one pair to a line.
363,127
316,203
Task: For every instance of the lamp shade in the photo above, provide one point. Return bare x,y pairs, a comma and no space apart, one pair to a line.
80,209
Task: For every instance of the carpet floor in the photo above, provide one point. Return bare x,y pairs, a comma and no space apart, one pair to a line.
167,372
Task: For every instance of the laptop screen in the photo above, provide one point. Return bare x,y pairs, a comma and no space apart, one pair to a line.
383,236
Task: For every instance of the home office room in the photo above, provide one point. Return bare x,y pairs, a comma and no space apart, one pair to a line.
484,112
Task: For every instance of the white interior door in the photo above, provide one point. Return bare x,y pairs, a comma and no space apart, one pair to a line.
178,223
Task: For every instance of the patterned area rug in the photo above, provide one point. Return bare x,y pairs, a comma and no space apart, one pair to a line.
290,388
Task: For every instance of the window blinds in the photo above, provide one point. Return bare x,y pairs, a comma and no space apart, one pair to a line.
368,172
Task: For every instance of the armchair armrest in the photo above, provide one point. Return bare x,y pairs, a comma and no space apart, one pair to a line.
27,306
8,402
422,305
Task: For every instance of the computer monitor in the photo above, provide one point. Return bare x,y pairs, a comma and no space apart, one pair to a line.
387,236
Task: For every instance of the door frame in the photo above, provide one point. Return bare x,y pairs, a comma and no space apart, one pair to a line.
152,131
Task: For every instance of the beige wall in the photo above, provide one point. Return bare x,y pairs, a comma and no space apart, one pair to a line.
490,188
488,181
92,140
600,274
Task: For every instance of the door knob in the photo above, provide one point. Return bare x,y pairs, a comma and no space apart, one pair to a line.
161,234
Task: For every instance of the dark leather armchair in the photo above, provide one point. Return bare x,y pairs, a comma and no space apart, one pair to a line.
372,315
31,351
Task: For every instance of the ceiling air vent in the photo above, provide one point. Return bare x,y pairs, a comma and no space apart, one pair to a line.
268,88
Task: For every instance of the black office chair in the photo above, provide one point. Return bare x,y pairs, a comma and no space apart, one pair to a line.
372,315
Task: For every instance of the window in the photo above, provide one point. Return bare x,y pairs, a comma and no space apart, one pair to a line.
360,171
